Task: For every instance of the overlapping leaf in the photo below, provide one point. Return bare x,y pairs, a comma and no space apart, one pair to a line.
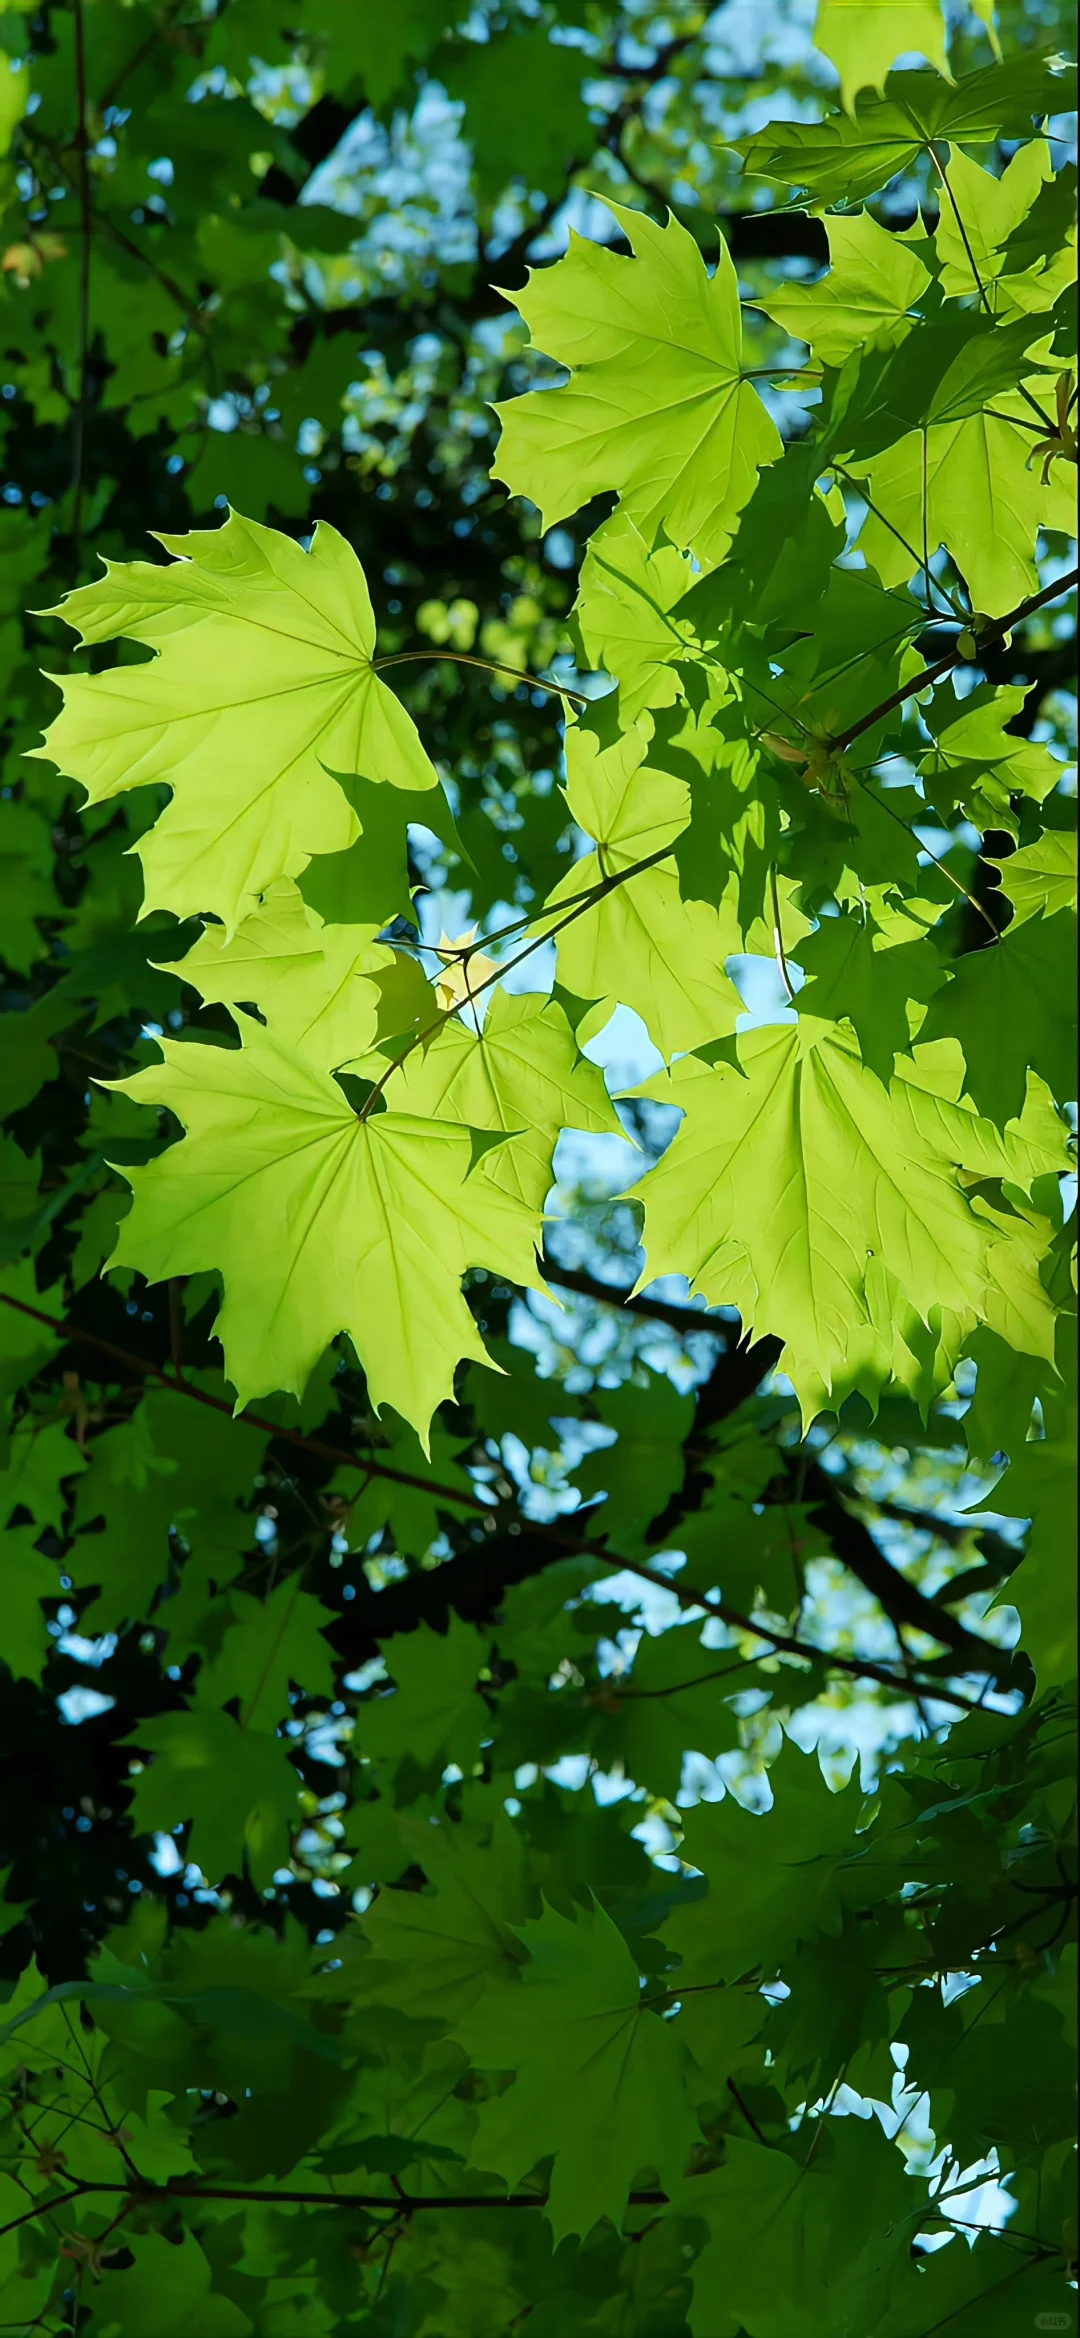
657,407
367,1225
262,683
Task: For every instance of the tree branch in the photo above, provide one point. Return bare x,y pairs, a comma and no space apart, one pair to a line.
976,1652
679,1314
401,2202
901,1599
954,657
85,231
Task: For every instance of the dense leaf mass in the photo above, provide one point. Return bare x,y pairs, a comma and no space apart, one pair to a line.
537,1272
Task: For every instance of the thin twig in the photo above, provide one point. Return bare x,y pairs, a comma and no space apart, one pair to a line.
954,657
580,1545
592,896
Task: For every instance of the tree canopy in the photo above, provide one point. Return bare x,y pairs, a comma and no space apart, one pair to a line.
538,1097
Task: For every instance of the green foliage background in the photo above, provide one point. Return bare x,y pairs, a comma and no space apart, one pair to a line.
538,1697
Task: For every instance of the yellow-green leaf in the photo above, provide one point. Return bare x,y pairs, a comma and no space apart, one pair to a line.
657,407
263,681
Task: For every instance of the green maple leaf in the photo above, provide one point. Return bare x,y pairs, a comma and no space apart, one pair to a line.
790,1188
436,1713
1017,2093
1040,1484
236,1786
169,2289
28,1578
368,884
977,763
373,48
990,208
433,1951
136,1491
1013,1006
410,1511
627,613
863,38
642,942
267,1644
573,2032
509,141
1041,878
263,678
380,1213
774,1877
845,158
25,1346
986,367
748,1550
854,973
41,1458
671,1704
657,407
27,891
757,2218
521,1077
646,1465
874,280
783,2257
163,1470
311,982
973,488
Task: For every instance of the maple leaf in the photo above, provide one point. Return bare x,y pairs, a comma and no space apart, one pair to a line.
432,1952
775,1876
1013,1006
436,1711
976,223
262,683
874,280
169,2288
319,1222
522,1076
1041,878
626,610
236,1786
969,485
642,942
657,406
266,1644
312,982
862,38
790,1188
572,2029
464,969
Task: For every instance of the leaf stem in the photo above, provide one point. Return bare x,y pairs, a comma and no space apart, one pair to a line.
778,935
456,657
974,266
586,900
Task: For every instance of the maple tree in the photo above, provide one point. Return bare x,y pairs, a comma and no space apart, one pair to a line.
537,1289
